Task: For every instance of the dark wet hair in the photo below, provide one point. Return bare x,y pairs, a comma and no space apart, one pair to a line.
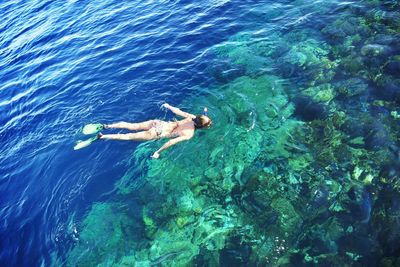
202,121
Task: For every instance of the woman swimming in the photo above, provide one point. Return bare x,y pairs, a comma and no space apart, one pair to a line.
177,131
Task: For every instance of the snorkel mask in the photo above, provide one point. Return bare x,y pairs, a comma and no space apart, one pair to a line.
202,121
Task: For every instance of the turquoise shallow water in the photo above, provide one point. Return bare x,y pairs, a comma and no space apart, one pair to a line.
300,168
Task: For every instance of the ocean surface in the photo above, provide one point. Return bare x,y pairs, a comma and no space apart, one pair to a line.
300,168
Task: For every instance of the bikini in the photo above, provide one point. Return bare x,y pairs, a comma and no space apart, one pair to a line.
158,126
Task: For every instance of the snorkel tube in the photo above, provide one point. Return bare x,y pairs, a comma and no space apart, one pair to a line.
205,111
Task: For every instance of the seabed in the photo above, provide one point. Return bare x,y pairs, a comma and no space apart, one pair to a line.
301,166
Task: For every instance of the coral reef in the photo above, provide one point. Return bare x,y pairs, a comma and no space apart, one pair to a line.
102,238
300,169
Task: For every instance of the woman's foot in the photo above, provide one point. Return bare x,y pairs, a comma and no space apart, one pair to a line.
99,136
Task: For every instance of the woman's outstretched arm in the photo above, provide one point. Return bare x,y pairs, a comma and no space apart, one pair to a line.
171,142
178,112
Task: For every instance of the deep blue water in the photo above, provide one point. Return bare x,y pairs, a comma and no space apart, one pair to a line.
67,63
64,64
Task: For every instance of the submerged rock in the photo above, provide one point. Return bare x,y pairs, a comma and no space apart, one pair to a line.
321,93
390,18
386,39
103,235
289,220
235,253
307,53
376,136
352,64
342,28
391,90
225,71
320,197
386,221
392,67
362,204
358,246
309,110
242,52
352,87
174,249
357,204
374,50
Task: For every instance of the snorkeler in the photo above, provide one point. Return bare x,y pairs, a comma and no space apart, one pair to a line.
177,131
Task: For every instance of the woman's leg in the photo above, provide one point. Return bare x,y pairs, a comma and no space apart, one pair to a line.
146,125
140,136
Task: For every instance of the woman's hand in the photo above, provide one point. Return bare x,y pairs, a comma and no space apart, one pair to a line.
165,105
156,155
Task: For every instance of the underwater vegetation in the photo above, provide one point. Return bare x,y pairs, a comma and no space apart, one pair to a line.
300,169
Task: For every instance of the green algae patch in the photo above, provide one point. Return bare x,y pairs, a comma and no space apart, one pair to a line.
322,93
177,250
308,52
300,162
243,50
289,220
103,236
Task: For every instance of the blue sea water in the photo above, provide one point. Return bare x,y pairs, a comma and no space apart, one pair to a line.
68,63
